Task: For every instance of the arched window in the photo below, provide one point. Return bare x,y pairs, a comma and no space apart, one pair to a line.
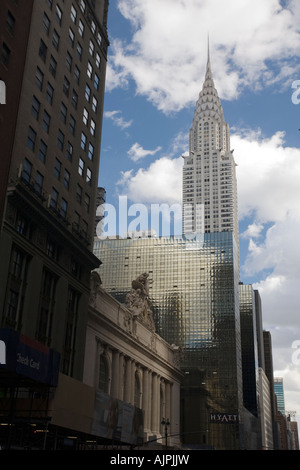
103,374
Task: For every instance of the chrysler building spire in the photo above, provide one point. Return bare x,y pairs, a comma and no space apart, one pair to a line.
209,179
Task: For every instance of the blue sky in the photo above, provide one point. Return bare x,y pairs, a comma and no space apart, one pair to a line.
156,67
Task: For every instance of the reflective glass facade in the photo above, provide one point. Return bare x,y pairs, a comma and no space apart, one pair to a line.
194,290
249,347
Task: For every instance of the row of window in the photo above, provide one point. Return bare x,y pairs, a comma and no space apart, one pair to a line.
16,291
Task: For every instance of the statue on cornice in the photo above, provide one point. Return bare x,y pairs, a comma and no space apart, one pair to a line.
138,302
95,283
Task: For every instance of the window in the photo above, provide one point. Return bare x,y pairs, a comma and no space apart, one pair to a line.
81,28
47,300
55,39
46,121
93,127
27,169
74,99
98,60
83,141
87,93
76,74
96,81
35,108
63,208
93,27
72,125
43,51
70,330
39,180
10,23
89,70
49,93
43,151
79,50
79,193
46,24
87,200
58,14
82,6
85,117
31,138
12,305
54,199
69,151
52,66
89,176
71,37
69,61
60,140
73,14
91,48
66,86
21,225
94,104
5,54
63,113
91,151
67,177
39,78
57,169
81,167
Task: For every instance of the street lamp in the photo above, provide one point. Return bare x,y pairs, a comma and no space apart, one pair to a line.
166,423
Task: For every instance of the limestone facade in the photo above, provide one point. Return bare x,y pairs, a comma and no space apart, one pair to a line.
128,360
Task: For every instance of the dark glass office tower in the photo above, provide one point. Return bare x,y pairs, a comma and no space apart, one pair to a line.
194,296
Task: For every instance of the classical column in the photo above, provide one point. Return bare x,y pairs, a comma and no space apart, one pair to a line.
128,380
133,368
146,399
168,400
155,403
115,384
122,376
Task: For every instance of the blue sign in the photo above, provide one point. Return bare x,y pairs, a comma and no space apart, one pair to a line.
28,358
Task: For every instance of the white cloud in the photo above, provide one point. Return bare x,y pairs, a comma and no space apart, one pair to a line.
117,119
160,183
137,152
268,175
167,52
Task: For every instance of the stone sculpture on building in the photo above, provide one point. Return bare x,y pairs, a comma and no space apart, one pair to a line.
138,301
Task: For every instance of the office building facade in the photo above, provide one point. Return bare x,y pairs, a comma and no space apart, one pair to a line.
54,56
279,392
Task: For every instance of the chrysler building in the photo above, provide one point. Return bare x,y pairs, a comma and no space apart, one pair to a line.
209,173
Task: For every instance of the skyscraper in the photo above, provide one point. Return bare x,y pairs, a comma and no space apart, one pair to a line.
53,60
279,392
209,176
194,282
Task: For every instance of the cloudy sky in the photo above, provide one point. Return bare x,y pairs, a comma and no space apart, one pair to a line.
156,66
